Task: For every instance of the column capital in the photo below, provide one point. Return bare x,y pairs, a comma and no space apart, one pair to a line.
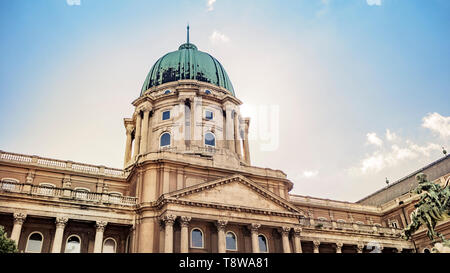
129,129
19,218
360,247
254,227
184,220
285,230
316,243
100,225
297,231
61,222
221,224
399,249
339,245
169,219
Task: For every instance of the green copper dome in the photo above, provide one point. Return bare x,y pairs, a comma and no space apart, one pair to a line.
187,63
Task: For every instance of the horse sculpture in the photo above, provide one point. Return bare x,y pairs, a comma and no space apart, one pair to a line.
432,207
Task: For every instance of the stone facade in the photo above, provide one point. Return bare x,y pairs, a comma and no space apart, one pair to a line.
187,186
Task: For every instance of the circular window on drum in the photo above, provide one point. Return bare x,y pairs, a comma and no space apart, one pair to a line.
210,139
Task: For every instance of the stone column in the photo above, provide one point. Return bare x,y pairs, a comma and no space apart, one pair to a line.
285,239
19,218
57,241
245,142
297,242
184,244
137,135
99,229
316,246
255,244
339,246
221,240
128,144
237,135
144,137
360,247
168,233
229,128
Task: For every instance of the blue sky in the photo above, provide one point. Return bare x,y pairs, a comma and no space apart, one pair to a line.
361,86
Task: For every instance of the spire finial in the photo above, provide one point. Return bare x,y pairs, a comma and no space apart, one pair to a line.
188,33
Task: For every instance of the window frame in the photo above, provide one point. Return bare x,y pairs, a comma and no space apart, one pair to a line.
267,243
67,240
28,240
115,244
209,111
203,238
11,183
170,140
81,193
162,115
208,145
46,188
235,241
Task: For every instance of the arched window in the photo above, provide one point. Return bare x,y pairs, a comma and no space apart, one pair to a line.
115,197
164,141
166,92
9,184
46,189
263,247
109,245
207,92
426,250
73,244
81,193
34,243
210,139
196,238
231,241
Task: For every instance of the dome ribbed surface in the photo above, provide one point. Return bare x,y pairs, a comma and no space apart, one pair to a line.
187,63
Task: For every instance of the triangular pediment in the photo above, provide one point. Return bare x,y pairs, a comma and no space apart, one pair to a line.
235,191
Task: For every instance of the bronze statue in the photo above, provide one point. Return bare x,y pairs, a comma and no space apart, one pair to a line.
433,207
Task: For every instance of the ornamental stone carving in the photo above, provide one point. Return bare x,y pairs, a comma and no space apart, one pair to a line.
19,218
316,243
169,219
184,221
297,231
360,247
254,227
100,226
221,224
285,230
61,222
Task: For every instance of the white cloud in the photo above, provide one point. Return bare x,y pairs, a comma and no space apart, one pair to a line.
438,124
372,138
310,174
210,5
373,2
217,37
73,2
391,136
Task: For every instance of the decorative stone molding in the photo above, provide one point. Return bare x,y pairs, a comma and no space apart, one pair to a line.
61,222
399,249
100,226
285,231
30,177
184,221
360,247
221,224
316,243
297,231
169,219
19,218
254,227
339,246
66,181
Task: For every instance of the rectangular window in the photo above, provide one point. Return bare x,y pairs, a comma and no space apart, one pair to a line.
209,115
166,115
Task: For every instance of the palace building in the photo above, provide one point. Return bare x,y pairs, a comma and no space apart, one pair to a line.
188,185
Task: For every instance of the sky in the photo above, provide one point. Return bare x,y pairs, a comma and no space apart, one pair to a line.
342,94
